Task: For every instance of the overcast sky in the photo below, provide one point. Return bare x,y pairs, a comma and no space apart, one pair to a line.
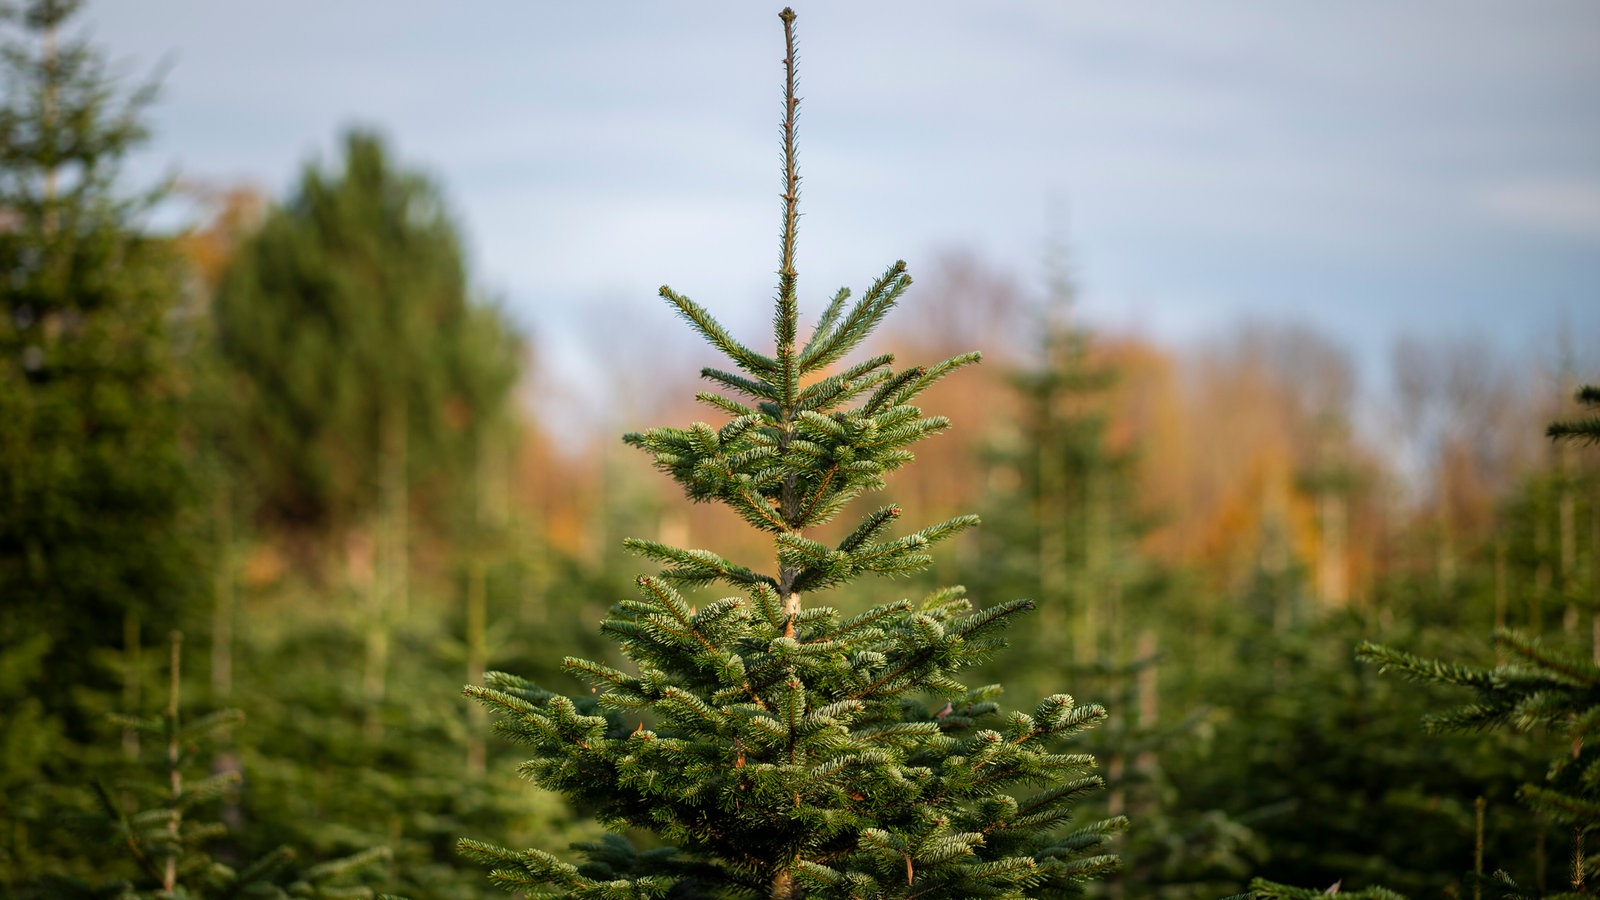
1372,168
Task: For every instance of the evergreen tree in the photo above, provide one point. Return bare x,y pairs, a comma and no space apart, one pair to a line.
1069,531
1534,687
93,489
787,751
366,376
366,384
148,840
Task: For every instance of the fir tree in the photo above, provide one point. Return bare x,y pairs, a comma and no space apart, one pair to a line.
787,751
366,381
1070,531
93,487
1535,687
365,373
1532,687
156,826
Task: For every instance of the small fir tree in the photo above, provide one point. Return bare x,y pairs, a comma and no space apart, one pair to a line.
790,752
151,839
1071,529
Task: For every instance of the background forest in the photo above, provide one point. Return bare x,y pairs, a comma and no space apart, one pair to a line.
296,431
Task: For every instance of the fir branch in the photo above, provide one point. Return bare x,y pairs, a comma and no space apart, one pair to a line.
1583,430
712,330
1574,673
825,322
759,388
865,625
1419,669
892,388
694,566
844,385
731,407
933,374
863,318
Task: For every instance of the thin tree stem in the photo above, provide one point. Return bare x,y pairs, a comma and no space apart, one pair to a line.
169,878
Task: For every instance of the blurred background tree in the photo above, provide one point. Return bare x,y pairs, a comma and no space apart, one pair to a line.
94,537
98,543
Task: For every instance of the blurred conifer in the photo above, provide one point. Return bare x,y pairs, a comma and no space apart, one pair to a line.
93,489
365,374
149,837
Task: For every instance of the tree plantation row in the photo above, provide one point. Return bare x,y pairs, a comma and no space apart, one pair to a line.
276,485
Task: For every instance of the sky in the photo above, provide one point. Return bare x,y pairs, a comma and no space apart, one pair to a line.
1372,169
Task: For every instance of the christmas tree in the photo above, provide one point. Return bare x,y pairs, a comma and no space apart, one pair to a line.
94,492
778,750
150,837
1532,687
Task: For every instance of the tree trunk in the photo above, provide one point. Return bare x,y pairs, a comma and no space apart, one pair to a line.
477,619
222,602
131,664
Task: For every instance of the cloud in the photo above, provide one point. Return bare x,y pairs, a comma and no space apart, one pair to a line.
1561,205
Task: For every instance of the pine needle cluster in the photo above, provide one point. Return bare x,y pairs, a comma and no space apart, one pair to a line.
784,751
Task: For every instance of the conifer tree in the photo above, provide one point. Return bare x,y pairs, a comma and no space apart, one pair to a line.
365,373
1535,687
1531,687
783,750
93,489
149,838
1067,532
1070,527
364,379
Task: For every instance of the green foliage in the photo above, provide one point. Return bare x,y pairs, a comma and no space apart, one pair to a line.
1531,688
1585,430
771,750
350,344
29,737
1066,526
1534,687
323,780
1322,760
147,837
93,490
788,752
1261,889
